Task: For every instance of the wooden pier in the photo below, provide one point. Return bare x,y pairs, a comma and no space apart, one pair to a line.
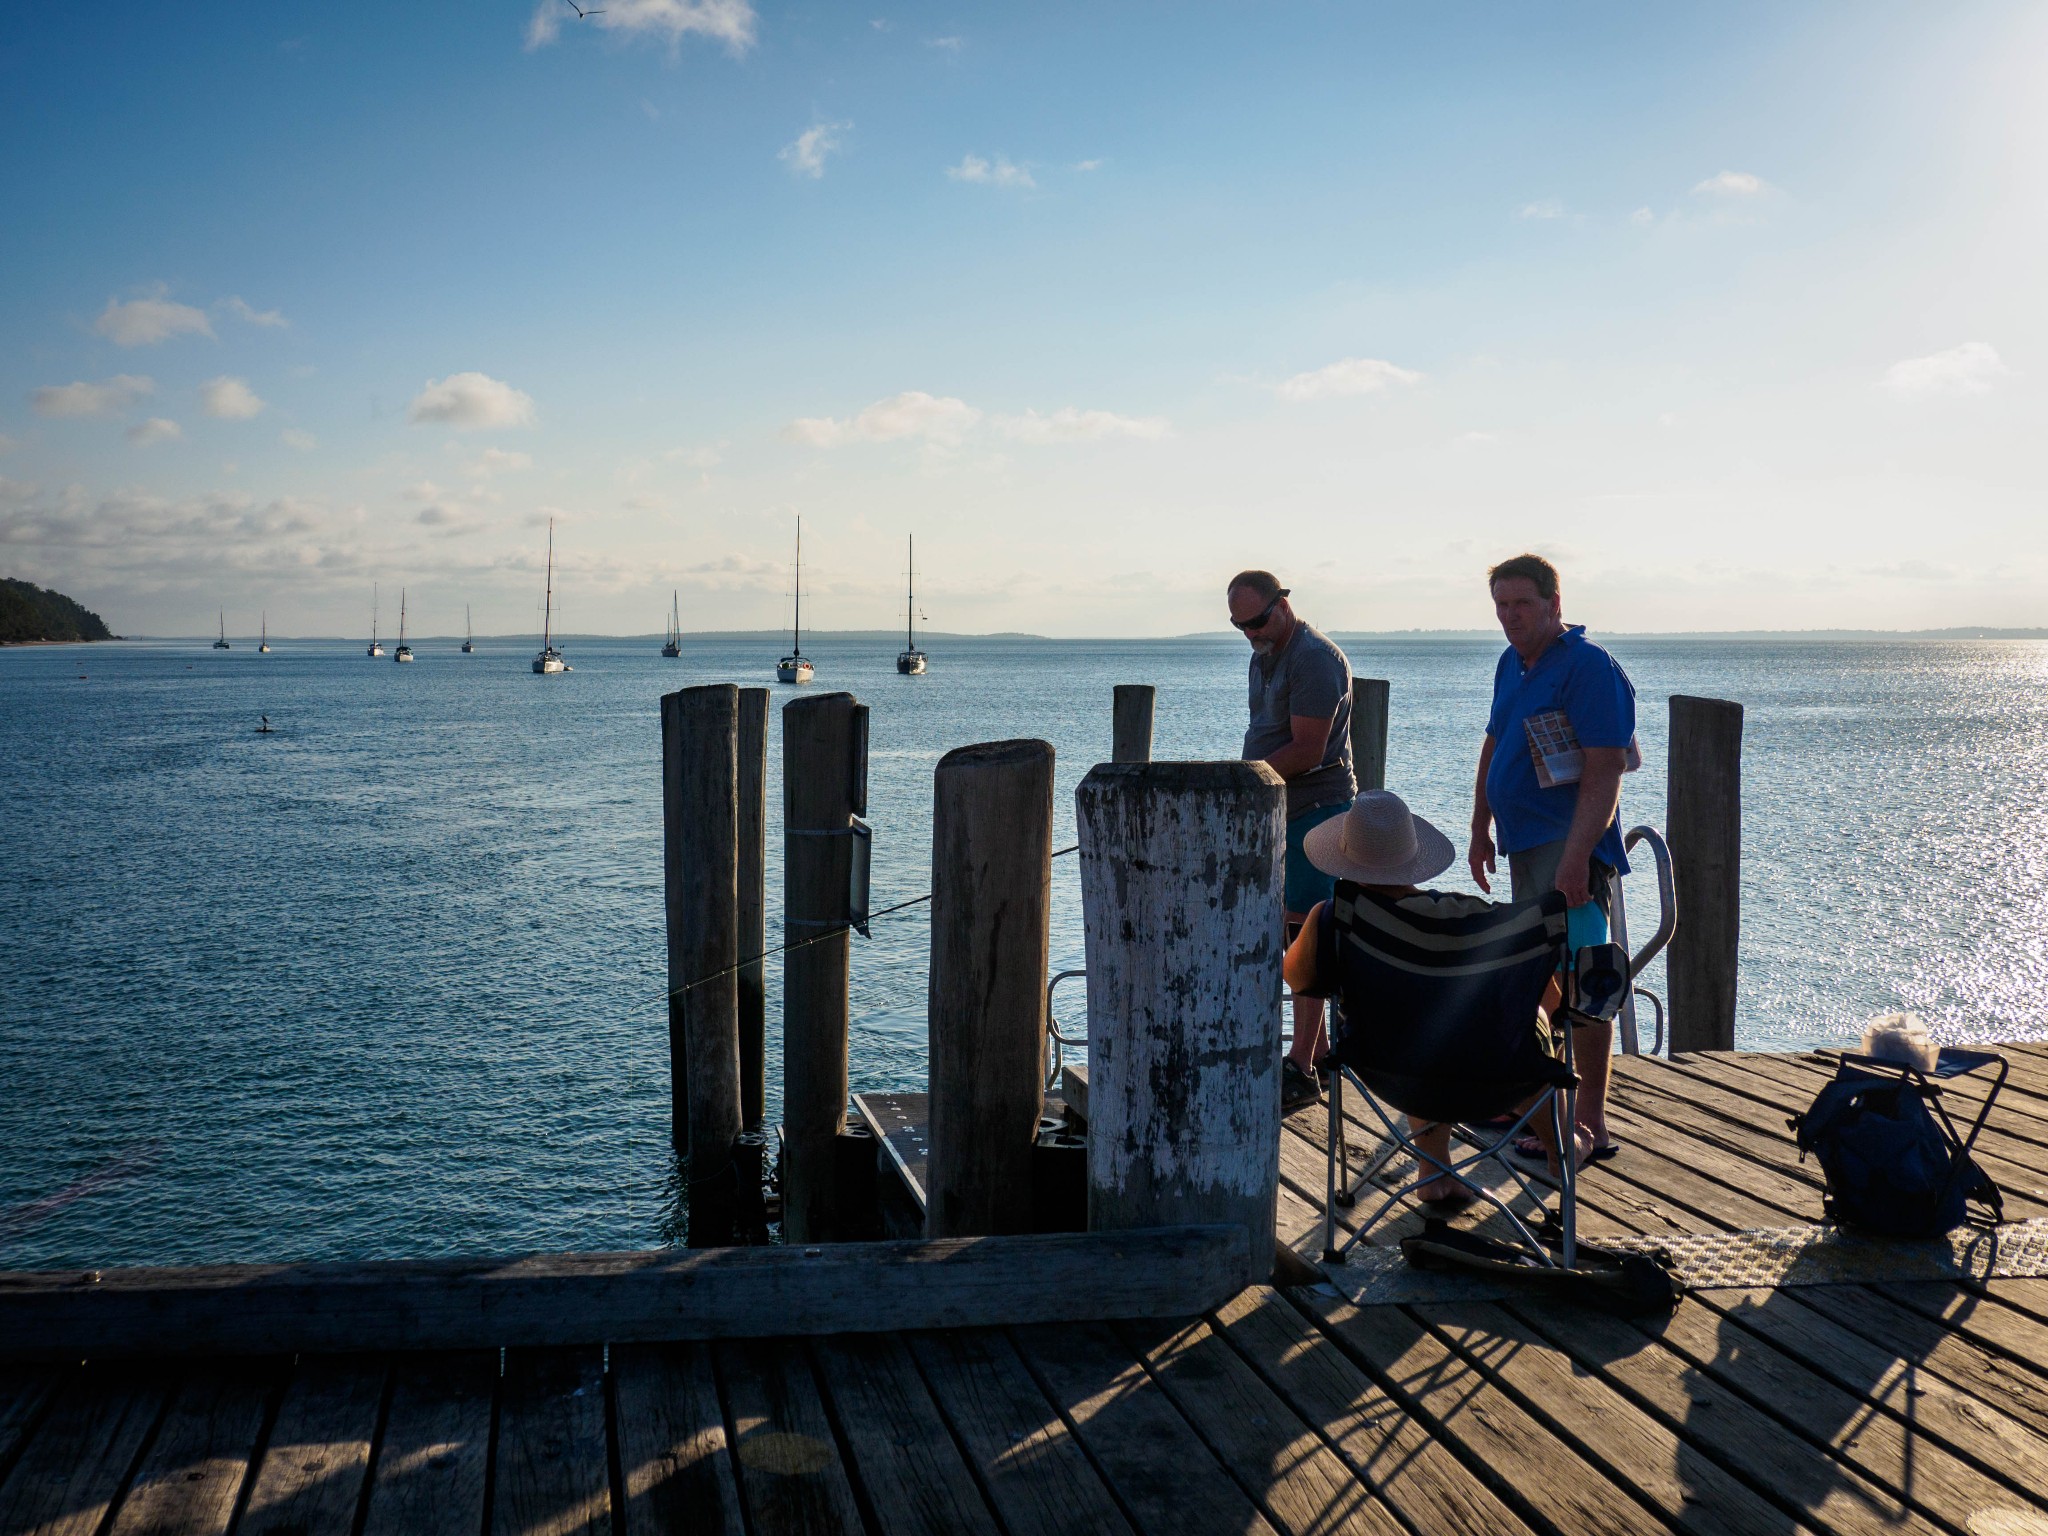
1871,1408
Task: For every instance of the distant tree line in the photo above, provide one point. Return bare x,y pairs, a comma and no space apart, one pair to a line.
30,612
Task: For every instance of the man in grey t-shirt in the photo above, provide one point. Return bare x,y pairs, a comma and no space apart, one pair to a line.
1300,699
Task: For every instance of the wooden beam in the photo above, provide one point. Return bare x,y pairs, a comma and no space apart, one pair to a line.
1369,732
1703,820
991,907
1182,914
592,1298
1130,737
753,904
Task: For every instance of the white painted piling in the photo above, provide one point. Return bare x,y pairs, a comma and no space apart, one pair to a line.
1183,913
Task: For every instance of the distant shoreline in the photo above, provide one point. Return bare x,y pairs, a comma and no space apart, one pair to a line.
775,637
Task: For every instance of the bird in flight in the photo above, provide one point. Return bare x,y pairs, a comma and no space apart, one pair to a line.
582,14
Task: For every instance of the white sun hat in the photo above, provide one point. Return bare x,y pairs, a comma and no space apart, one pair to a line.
1379,841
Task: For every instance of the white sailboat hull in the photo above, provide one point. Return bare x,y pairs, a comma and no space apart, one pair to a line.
374,650
911,663
794,669
547,663
404,653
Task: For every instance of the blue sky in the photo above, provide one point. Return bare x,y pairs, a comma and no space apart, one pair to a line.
1733,309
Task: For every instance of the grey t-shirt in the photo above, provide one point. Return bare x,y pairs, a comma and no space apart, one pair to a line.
1310,677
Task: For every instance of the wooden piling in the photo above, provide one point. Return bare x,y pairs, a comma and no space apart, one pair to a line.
818,786
1182,909
1703,823
1369,732
991,911
1131,736
699,733
753,904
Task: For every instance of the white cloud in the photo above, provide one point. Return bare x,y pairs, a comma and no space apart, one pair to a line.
1642,216
727,21
229,399
999,174
1348,376
82,399
1069,424
949,44
471,400
145,322
1087,165
694,458
1545,208
914,413
805,155
1971,369
303,442
155,430
242,309
499,461
1733,184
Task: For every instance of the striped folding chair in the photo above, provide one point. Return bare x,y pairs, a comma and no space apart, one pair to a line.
1440,1018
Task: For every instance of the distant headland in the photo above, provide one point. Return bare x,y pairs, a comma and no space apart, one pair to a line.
30,614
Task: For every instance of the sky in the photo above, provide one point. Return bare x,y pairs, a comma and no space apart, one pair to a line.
1733,310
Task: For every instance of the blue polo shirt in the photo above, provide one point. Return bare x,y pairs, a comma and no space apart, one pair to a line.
1575,692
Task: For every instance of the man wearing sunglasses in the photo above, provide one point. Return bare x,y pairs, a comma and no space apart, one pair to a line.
1301,728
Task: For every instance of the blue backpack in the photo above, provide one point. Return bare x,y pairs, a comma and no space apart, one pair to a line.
1893,1162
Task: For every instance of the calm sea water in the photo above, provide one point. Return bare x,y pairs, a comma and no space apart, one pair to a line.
388,982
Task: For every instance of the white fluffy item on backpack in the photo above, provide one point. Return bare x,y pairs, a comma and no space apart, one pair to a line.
1900,1037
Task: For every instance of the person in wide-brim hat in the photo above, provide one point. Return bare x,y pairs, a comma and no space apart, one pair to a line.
1381,845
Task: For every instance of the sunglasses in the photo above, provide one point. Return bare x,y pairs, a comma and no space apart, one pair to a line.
1250,626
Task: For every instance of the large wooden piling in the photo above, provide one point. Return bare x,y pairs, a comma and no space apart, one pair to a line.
1130,739
753,904
1183,910
1703,823
991,914
699,732
820,768
1369,732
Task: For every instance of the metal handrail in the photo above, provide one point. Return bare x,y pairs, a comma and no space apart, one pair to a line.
1667,896
1056,1042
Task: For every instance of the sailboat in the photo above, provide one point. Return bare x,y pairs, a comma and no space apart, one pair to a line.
404,651
673,645
549,660
910,662
468,633
222,643
796,667
375,649
263,645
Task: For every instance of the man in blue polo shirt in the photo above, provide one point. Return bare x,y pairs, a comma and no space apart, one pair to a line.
1548,795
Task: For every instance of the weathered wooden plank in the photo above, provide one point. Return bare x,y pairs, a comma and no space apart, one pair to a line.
2018,1391
433,1460
1994,1313
673,1454
24,1394
1803,1477
664,1295
1802,1403
791,1472
1391,1450
192,1474
77,1461
1301,1484
1610,1433
317,1458
915,1479
1534,1472
551,1474
1038,1478
1163,1475
1703,821
1878,1375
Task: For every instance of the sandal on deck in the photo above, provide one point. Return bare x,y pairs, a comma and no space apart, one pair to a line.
1530,1149
1298,1089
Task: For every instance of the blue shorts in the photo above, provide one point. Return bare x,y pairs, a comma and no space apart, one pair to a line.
1307,885
1533,871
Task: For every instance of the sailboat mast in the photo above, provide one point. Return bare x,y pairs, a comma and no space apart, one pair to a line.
910,600
796,633
547,623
